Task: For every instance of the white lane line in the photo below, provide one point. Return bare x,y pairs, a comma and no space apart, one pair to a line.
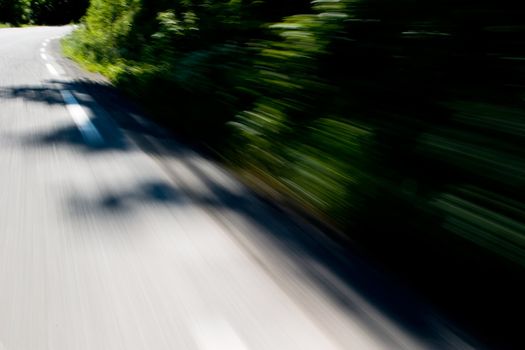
52,69
81,119
44,44
44,57
216,335
42,49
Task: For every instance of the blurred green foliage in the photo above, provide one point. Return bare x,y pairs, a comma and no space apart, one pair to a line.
17,12
398,121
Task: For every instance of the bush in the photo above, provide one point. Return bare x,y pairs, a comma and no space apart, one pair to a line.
377,116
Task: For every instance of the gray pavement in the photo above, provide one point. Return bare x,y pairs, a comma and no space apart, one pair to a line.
127,240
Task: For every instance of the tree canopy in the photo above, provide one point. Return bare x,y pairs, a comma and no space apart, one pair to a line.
42,11
368,112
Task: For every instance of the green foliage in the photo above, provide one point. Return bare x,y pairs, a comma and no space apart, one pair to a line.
11,11
378,116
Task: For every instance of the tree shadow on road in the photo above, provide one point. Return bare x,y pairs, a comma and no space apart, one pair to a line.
326,267
345,278
103,116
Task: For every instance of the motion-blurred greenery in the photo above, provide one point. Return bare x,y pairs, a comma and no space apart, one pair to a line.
391,118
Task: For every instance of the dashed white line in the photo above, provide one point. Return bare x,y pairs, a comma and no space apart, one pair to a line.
51,69
217,334
81,119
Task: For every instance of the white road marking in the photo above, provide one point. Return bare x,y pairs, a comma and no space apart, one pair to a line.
44,57
216,335
51,69
44,44
81,119
42,49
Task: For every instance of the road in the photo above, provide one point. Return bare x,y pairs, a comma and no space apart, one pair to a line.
113,236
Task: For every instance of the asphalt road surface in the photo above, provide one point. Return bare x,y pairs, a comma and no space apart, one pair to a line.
113,236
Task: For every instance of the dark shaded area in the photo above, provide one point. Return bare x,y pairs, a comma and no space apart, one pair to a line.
55,12
148,192
114,138
46,12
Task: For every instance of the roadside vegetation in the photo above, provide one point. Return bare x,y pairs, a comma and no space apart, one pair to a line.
373,114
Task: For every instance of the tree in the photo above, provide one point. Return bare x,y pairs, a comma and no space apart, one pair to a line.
42,11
